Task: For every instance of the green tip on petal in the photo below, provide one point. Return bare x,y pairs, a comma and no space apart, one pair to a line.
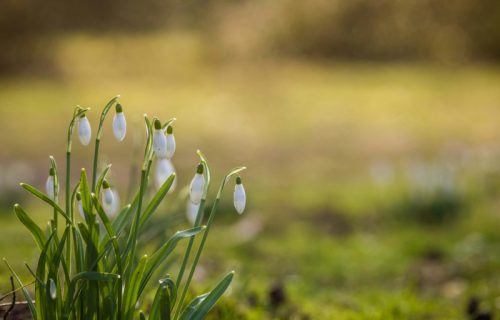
78,196
118,108
199,169
105,184
157,124
170,130
238,180
82,115
52,172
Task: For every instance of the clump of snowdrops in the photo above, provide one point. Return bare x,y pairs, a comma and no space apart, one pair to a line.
89,266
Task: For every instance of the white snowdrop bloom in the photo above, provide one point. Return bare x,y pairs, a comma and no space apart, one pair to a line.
164,169
197,185
80,205
170,142
107,194
159,140
192,211
110,200
240,197
49,185
52,288
119,123
84,130
112,210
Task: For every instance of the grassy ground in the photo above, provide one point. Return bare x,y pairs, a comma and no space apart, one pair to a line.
323,228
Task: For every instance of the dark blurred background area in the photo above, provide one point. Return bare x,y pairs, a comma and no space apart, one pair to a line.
451,32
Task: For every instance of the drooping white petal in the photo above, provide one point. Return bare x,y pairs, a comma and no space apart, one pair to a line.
119,126
159,143
52,288
111,208
49,187
107,196
240,198
196,190
84,130
170,145
192,211
80,208
164,169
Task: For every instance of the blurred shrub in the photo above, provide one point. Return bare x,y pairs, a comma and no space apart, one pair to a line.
364,29
438,207
450,31
433,195
28,28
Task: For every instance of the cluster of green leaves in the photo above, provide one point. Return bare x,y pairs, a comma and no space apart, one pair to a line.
86,271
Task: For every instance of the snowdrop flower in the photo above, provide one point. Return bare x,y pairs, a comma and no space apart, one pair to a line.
170,142
49,185
84,130
240,197
79,204
107,194
159,140
197,184
119,123
110,200
52,288
192,212
164,169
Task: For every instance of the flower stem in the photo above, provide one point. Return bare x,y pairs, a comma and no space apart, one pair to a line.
190,244
96,158
197,257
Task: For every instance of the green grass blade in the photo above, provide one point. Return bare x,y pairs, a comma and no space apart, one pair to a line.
89,276
164,304
37,193
40,275
132,289
155,202
164,251
211,299
191,307
124,217
26,294
85,195
31,226
79,250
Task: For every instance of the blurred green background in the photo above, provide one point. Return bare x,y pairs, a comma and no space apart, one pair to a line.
370,130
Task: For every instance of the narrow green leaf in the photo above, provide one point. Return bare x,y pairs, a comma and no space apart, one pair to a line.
31,226
40,276
109,230
124,217
164,299
211,299
132,289
37,193
26,294
158,197
191,307
85,195
79,250
89,276
164,251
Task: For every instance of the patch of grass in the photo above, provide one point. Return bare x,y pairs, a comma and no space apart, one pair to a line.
309,134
